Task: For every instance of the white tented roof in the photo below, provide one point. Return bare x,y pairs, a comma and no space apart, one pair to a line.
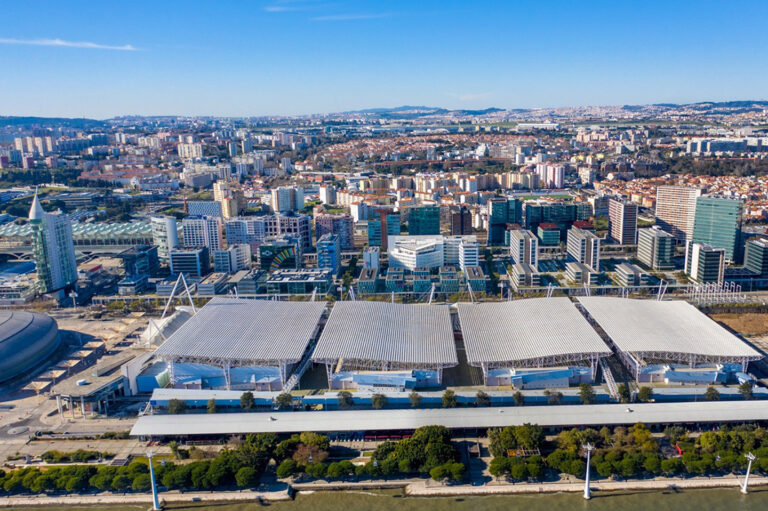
243,330
523,331
388,332
674,327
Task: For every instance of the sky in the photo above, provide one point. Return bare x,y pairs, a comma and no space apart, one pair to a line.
287,57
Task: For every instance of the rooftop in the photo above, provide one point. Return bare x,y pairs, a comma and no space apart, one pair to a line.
673,327
418,335
245,332
522,332
455,418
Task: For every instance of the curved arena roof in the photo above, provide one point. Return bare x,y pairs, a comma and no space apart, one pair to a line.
26,340
242,331
534,331
676,329
413,335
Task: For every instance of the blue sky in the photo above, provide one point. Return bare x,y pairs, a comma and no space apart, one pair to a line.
100,59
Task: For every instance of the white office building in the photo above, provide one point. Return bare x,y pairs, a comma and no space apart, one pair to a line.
202,232
164,235
412,252
524,248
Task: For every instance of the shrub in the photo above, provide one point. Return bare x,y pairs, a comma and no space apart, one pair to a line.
286,469
316,470
449,399
378,401
246,477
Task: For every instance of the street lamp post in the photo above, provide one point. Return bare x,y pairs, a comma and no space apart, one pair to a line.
751,457
587,447
155,502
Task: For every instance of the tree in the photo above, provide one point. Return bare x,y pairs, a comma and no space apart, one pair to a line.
141,482
482,399
284,400
415,399
316,470
378,401
286,469
345,399
645,394
746,390
246,400
553,398
586,393
449,399
519,398
671,466
624,395
176,406
712,394
173,445
211,405
246,477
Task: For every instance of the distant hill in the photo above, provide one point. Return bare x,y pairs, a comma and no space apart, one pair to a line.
410,111
78,123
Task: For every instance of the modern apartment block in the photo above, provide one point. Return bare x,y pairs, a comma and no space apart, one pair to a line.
53,248
524,247
329,253
232,260
656,248
622,222
583,247
202,232
704,263
287,198
676,209
718,222
383,224
341,225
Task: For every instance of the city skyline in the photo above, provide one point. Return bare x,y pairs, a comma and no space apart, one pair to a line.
291,57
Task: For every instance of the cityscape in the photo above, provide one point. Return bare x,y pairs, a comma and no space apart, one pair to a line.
470,297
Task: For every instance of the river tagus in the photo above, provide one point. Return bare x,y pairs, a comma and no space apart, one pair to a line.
694,500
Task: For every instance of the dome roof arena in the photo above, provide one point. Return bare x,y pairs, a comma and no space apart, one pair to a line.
26,339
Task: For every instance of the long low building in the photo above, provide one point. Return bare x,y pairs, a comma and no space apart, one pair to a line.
646,331
706,412
532,333
414,341
230,333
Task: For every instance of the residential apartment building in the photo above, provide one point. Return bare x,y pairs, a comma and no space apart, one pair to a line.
676,210
622,221
341,225
53,248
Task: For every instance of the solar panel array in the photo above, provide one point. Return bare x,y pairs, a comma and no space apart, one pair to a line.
387,332
529,329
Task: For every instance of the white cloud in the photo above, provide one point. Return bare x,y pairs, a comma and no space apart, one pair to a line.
66,44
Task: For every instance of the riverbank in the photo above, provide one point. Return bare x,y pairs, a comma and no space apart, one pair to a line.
422,488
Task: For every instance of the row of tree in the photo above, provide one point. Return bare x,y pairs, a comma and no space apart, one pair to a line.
240,466
627,452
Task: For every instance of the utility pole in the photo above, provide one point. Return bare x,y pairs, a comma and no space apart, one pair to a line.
587,447
751,457
155,502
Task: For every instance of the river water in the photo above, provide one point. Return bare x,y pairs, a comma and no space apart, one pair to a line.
690,500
